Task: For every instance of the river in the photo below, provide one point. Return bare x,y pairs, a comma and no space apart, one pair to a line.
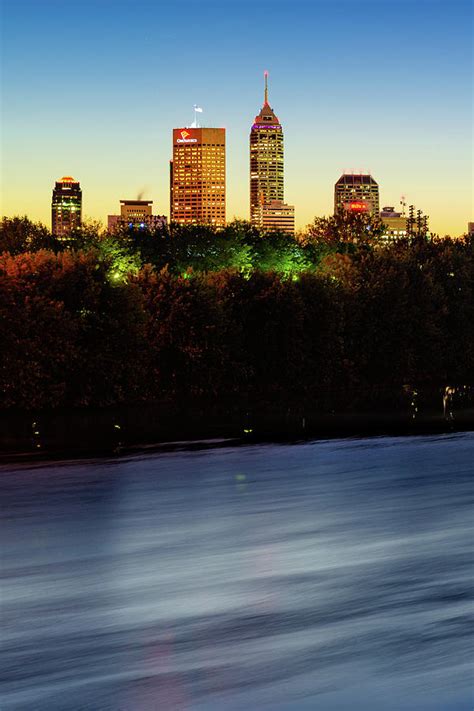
328,575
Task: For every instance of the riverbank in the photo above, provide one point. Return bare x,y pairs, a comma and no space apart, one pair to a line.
77,433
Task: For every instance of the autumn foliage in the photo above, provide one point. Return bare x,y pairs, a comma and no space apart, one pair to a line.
343,328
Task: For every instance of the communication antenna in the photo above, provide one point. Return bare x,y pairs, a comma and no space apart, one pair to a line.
411,221
419,222
425,225
403,203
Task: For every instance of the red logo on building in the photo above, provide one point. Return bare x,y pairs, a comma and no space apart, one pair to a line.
358,206
185,137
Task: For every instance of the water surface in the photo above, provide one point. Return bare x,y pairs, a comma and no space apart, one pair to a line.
329,575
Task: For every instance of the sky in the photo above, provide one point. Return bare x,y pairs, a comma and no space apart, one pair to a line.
94,89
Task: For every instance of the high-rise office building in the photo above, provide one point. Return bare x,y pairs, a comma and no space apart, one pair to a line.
356,193
197,176
137,214
66,207
266,171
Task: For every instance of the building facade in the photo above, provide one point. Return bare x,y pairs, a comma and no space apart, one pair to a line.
276,215
66,207
356,193
197,176
137,214
267,170
395,223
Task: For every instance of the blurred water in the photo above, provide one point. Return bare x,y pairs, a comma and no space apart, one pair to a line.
329,575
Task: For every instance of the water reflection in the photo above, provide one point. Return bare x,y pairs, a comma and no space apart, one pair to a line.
329,575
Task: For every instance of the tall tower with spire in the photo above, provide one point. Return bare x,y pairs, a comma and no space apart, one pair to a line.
267,209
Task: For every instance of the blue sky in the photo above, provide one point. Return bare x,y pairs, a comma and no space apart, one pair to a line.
93,90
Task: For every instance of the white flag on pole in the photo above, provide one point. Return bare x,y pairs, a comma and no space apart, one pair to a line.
198,109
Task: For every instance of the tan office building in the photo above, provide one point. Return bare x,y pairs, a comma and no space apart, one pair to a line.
66,207
197,176
395,224
276,215
266,170
356,192
136,214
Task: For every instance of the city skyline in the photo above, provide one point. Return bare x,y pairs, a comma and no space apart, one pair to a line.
385,92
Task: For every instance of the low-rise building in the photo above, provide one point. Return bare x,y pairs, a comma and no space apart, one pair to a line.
137,214
275,215
395,222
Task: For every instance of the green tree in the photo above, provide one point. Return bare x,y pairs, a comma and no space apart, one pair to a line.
69,336
188,353
19,234
344,233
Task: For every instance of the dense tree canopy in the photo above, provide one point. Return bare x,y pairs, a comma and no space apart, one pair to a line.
184,248
231,316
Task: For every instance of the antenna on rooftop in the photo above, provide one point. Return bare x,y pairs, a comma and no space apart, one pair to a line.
403,203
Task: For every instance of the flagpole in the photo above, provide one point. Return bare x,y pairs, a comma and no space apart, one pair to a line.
197,110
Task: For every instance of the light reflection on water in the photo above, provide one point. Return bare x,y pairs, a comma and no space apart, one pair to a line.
329,575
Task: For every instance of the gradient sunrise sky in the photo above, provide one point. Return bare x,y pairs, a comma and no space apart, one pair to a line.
94,89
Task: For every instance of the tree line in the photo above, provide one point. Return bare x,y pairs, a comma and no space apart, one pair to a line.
232,318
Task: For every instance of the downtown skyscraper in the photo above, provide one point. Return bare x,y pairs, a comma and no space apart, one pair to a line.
197,176
66,207
267,208
356,192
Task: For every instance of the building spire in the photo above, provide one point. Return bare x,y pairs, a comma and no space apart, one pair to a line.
266,115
